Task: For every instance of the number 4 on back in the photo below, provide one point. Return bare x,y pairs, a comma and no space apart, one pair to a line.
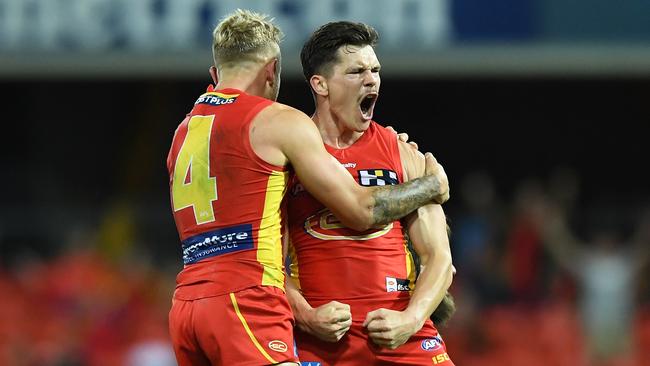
192,184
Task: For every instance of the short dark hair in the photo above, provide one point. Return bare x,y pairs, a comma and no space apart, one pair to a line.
320,49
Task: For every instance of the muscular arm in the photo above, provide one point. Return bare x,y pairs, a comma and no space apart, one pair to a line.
428,233
562,245
427,229
328,322
296,137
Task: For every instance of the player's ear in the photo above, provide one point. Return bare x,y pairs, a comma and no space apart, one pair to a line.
319,85
214,74
272,71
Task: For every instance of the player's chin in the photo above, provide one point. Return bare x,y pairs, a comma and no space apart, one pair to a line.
362,125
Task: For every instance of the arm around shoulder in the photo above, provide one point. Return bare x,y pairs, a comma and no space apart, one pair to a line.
320,173
358,207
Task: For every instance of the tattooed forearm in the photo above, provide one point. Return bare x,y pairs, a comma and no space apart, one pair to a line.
394,202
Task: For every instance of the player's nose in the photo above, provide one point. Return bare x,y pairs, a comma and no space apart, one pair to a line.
369,78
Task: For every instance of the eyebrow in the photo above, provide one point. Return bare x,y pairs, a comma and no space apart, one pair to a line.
362,67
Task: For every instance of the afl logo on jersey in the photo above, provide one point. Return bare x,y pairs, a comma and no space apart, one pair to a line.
432,344
297,189
325,226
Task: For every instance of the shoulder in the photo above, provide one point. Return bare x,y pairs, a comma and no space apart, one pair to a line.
282,114
381,130
413,161
286,124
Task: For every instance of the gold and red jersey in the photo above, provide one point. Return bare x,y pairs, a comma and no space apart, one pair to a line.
367,270
226,200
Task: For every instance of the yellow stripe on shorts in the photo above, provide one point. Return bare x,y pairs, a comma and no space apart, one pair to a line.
248,330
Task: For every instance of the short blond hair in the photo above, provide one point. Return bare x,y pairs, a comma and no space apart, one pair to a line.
245,36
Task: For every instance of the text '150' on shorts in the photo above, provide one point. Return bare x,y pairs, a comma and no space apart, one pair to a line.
253,326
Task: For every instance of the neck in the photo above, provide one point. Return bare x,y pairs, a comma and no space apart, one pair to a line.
332,128
246,79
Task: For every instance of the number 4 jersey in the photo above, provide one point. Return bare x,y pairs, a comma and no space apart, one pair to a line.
226,200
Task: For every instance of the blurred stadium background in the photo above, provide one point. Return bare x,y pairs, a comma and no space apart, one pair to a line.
538,109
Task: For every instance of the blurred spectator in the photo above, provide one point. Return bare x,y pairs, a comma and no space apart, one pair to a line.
475,243
152,353
605,268
524,244
564,188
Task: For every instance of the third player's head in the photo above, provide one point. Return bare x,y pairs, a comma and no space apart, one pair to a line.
248,44
340,64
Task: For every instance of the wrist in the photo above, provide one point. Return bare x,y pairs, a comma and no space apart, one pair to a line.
304,315
414,318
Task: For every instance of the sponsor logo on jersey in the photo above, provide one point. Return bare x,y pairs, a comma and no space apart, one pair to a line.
432,344
278,346
349,165
377,177
216,99
309,363
217,242
397,284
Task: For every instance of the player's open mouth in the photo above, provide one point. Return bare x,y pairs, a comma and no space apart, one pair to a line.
367,105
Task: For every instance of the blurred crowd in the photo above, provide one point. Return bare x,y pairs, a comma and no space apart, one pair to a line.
547,277
82,308
544,277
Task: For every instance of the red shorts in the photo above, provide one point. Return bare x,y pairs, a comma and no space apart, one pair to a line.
248,327
426,347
